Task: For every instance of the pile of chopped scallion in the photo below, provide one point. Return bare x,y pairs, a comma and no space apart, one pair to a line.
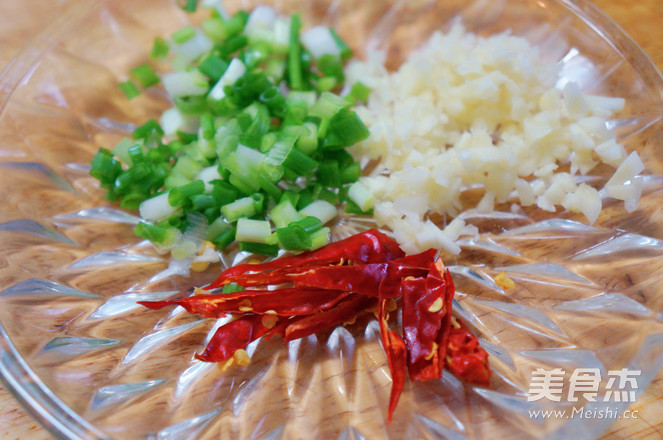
253,150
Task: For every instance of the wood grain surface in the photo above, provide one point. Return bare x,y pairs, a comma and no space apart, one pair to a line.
19,21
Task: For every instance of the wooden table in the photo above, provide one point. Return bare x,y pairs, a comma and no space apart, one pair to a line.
641,19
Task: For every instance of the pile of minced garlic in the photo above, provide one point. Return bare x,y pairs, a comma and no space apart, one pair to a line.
466,112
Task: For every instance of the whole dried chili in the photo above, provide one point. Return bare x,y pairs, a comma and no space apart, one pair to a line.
363,278
288,302
367,247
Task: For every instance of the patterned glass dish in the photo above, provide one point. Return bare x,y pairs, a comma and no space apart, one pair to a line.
89,363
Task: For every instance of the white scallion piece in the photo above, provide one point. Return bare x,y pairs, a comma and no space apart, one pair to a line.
157,208
319,41
192,83
320,209
235,70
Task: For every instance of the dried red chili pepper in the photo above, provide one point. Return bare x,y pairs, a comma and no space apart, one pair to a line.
396,351
364,278
466,359
426,313
367,247
284,302
342,312
233,336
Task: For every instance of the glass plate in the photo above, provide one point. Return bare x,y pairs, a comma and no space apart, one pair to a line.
89,363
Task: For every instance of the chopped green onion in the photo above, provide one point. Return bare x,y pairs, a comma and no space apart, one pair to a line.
244,207
294,53
183,35
190,5
309,224
129,89
328,105
180,195
270,250
300,163
159,48
284,213
255,231
145,75
213,67
224,238
320,238
359,194
359,92
320,209
293,238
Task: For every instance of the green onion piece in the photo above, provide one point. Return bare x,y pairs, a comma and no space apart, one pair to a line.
200,202
328,174
267,142
275,69
352,208
191,105
255,231
283,214
295,112
129,89
223,192
232,288
331,67
160,48
293,238
183,35
224,239
320,238
148,130
246,186
294,55
104,167
274,100
268,186
359,92
190,5
291,196
308,139
322,193
180,195
326,84
156,234
309,224
359,194
216,227
270,250
207,126
258,202
232,45
145,75
351,173
320,209
300,163
121,150
346,52
213,67
244,207
328,105
348,128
